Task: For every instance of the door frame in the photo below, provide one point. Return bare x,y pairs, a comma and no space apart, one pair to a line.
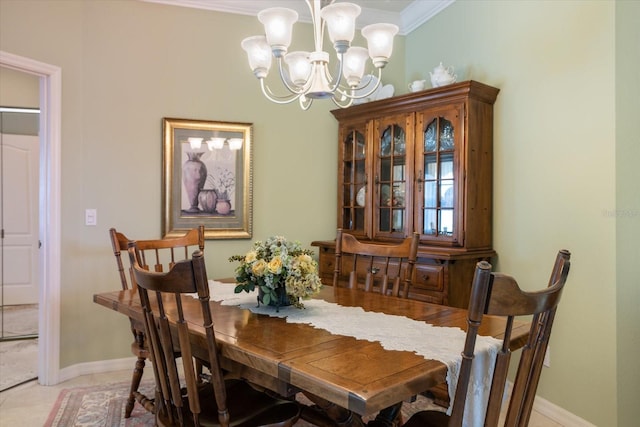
48,211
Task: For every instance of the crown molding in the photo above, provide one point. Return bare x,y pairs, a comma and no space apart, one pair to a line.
419,12
414,15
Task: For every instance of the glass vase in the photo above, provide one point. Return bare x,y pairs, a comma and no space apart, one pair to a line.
281,300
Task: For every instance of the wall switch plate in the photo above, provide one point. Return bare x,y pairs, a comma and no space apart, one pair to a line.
90,217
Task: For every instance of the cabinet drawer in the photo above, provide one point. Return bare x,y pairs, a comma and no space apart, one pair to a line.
429,277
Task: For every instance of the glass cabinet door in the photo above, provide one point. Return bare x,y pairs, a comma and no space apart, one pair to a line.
353,191
438,175
390,216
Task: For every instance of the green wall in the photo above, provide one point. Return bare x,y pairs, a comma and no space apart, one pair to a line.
627,209
564,155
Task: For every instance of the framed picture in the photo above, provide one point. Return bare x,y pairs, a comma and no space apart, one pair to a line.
207,178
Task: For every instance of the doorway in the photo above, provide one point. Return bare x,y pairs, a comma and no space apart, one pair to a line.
50,81
19,161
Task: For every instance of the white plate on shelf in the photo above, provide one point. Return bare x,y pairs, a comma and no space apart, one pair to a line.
366,84
386,91
360,196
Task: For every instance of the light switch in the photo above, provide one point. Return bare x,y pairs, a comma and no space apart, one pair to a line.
90,217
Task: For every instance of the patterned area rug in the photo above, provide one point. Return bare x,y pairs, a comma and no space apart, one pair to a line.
99,406
103,406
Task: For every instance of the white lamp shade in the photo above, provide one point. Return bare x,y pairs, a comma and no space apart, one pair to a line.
354,64
235,143
215,143
278,26
380,41
341,20
299,67
259,54
195,143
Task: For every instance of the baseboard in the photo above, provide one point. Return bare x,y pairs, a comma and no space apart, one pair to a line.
553,412
98,367
558,414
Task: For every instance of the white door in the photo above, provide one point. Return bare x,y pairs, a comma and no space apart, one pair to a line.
19,213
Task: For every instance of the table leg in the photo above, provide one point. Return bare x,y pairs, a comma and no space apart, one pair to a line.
341,416
388,417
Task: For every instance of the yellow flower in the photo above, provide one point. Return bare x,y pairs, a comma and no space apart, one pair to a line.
275,265
305,259
306,264
250,257
259,267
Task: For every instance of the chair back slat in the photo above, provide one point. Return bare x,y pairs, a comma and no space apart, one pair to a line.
375,267
477,303
162,398
119,243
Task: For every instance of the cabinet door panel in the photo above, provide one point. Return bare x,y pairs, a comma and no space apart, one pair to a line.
353,194
393,154
439,157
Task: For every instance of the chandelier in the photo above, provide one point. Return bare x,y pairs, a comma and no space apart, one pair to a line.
306,75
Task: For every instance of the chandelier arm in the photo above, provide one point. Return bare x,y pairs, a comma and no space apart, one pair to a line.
340,105
274,98
352,95
335,86
303,102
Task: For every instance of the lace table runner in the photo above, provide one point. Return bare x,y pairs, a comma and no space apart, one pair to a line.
393,333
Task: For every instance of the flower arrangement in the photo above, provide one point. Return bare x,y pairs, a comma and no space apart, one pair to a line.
223,182
274,265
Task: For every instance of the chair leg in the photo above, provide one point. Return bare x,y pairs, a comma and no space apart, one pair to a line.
135,383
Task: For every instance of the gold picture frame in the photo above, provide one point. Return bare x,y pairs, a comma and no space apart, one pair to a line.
207,168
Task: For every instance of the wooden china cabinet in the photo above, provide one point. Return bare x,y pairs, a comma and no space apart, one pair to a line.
420,162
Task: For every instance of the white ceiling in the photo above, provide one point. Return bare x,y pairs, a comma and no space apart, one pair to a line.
406,14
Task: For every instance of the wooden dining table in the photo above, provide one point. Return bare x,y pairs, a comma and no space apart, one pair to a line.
358,375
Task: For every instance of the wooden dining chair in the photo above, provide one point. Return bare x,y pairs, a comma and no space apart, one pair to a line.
375,267
162,254
219,401
499,295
